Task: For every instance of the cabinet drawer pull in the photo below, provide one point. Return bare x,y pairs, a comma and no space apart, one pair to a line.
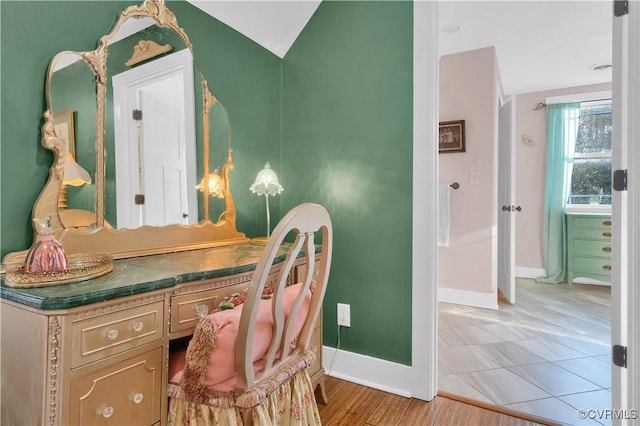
137,397
606,222
105,411
606,234
607,267
606,249
201,310
138,326
112,334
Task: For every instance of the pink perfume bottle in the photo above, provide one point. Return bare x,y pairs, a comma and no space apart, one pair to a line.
46,254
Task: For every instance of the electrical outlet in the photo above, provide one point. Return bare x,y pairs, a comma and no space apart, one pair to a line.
344,315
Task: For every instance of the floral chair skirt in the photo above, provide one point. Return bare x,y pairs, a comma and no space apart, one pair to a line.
290,403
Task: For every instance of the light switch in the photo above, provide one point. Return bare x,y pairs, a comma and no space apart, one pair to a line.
474,178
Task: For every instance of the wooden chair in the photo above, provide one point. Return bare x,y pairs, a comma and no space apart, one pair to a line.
264,343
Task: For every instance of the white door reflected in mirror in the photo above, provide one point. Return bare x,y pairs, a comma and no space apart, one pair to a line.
155,153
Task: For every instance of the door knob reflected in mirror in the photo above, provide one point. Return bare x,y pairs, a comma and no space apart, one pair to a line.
511,208
506,208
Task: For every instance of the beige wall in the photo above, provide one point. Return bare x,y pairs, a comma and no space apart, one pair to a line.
468,91
530,174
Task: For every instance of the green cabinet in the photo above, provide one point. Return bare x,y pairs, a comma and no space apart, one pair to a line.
588,246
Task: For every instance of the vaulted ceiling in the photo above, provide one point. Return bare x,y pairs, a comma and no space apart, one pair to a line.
540,45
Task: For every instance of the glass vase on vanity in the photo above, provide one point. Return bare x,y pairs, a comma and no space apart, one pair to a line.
46,254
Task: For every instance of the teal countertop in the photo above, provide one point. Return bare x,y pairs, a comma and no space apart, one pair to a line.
139,275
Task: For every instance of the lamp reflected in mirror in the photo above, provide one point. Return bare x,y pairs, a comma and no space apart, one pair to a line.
266,184
74,175
215,186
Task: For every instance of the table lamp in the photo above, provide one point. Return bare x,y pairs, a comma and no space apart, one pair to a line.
74,175
266,184
215,187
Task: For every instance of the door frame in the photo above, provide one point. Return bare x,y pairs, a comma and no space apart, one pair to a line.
625,315
506,197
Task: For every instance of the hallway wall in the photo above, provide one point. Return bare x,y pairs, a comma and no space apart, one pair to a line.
469,91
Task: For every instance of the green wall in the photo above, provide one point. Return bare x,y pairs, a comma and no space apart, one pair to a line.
347,144
245,77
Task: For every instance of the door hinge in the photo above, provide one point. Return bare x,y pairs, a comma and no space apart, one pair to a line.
620,355
139,199
137,114
620,7
620,180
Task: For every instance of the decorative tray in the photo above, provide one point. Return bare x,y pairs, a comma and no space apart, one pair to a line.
82,266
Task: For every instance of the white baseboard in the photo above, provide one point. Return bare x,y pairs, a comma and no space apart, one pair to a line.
468,298
522,272
367,371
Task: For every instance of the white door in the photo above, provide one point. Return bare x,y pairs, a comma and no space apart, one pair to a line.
625,289
164,167
506,200
155,155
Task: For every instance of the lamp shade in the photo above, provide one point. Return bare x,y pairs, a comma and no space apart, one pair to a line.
74,174
216,186
266,182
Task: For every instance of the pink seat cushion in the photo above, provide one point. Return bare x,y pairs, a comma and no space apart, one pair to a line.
221,373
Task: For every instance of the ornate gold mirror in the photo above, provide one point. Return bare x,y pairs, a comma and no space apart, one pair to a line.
142,149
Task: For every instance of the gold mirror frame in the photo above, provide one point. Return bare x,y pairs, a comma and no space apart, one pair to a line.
145,240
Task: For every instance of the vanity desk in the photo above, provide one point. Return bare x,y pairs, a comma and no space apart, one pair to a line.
96,351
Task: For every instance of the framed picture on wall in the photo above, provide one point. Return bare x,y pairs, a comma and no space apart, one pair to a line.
451,136
64,128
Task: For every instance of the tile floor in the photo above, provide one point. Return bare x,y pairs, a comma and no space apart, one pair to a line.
548,354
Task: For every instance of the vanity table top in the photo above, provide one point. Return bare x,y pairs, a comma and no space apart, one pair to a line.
139,275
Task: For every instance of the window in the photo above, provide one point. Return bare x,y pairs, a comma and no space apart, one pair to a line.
591,162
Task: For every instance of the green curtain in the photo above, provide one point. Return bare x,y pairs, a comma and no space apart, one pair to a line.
562,128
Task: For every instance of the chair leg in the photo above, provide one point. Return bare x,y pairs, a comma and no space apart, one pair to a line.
321,392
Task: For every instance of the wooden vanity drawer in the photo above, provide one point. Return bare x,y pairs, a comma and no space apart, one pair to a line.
598,233
592,223
101,336
592,248
591,265
125,393
184,315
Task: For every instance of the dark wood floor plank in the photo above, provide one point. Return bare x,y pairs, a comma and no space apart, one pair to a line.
351,404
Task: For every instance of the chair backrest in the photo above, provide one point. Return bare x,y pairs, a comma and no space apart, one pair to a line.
306,220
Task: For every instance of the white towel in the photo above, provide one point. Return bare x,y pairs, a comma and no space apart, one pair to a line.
443,214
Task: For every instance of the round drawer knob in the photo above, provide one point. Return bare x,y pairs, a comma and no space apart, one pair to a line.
607,267
138,326
606,223
606,249
112,334
137,397
201,310
106,411
606,234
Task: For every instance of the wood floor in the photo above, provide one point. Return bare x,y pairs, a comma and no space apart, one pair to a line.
353,405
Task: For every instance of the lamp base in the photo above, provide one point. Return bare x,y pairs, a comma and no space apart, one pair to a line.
260,241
